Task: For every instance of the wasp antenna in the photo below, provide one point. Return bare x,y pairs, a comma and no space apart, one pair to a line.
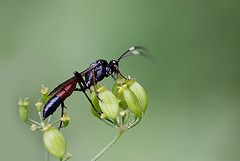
133,51
138,50
131,48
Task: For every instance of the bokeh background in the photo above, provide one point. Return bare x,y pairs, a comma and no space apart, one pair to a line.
193,112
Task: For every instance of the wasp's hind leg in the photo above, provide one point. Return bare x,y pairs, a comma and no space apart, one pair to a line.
80,80
62,106
94,83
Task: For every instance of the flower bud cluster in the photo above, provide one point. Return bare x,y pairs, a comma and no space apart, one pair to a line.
53,139
126,93
131,94
108,105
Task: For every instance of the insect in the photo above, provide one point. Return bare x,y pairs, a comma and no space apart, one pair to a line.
92,75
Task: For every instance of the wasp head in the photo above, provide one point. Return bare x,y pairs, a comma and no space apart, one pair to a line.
112,67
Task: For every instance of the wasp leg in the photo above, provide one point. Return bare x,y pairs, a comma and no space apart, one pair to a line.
94,83
113,77
121,73
62,106
83,89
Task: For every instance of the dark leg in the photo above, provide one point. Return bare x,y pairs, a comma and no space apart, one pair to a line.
121,73
62,106
113,77
94,83
80,80
83,89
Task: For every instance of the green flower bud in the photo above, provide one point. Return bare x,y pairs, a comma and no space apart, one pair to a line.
122,113
38,105
24,102
33,127
132,102
109,104
94,100
65,119
126,112
117,92
141,95
54,142
23,110
44,95
69,155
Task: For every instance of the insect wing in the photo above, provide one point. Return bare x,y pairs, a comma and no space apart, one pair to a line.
61,86
94,65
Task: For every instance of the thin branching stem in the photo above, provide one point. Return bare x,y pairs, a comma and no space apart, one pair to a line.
55,122
135,122
40,116
108,123
107,147
49,119
33,122
126,117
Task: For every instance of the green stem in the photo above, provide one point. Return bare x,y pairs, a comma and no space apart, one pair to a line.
34,122
54,122
126,117
40,116
134,123
108,123
49,119
107,147
109,120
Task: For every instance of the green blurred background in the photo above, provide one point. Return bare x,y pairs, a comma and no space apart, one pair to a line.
193,112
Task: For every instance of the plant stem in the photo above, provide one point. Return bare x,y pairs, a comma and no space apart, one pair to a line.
134,123
107,147
49,119
34,122
108,123
54,122
40,116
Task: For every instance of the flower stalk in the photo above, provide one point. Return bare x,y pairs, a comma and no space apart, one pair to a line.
130,96
104,150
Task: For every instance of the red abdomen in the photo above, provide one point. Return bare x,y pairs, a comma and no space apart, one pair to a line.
67,90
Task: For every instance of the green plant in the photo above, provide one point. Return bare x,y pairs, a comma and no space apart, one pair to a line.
122,109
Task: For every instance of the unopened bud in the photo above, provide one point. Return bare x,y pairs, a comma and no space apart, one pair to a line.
33,127
95,103
122,113
44,95
24,102
23,110
109,104
65,119
132,102
126,112
54,142
117,91
38,105
140,93
69,155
